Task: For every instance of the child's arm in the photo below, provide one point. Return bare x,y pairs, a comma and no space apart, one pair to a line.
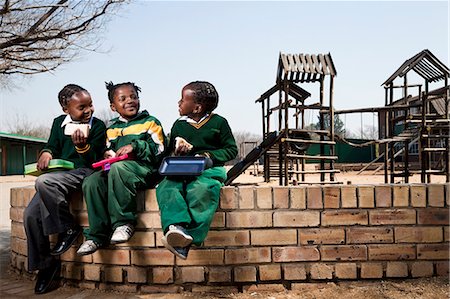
227,146
152,148
52,148
93,147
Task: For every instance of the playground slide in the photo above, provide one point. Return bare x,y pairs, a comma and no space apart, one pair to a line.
252,156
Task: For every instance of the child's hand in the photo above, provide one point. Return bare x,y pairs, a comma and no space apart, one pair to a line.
127,149
182,147
43,161
78,138
109,154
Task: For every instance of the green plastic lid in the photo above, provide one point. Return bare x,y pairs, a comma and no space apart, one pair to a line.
53,165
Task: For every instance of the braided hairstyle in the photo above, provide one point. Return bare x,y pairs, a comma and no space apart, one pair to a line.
65,95
205,94
111,87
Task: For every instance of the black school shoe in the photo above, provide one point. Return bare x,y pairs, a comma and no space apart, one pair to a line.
65,240
48,278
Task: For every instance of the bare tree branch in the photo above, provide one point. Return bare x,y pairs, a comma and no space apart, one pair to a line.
37,36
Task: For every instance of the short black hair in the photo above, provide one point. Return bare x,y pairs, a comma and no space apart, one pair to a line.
111,87
205,94
67,92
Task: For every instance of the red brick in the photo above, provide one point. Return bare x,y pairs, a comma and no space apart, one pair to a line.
422,269
156,289
295,254
163,275
371,270
270,272
331,197
72,271
72,256
218,220
383,196
192,274
433,216
16,214
389,217
344,217
203,257
245,274
436,195
298,198
137,275
92,272
249,219
280,197
446,233
418,196
114,257
247,255
228,198
314,198
246,198
140,239
401,195
228,238
348,197
274,237
346,270
152,257
433,251
148,220
264,197
151,204
296,219
294,271
321,271
366,197
321,236
113,274
396,269
392,252
219,274
418,234
18,230
363,235
343,253
442,268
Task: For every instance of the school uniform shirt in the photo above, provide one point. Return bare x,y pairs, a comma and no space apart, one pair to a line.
60,146
211,136
145,134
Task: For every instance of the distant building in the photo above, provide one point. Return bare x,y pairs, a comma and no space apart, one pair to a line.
16,151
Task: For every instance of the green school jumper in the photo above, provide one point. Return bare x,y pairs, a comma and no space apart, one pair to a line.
193,203
111,196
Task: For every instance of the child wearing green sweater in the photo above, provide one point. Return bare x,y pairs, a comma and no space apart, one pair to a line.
111,196
187,206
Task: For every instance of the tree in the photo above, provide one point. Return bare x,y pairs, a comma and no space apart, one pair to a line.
21,125
38,36
339,127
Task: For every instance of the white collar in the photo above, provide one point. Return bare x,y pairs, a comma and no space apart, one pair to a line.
68,120
190,120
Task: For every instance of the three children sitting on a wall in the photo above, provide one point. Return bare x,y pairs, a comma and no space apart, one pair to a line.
110,196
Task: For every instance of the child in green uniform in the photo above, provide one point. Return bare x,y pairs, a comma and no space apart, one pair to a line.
111,196
48,212
187,206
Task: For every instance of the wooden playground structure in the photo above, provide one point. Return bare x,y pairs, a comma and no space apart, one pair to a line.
413,129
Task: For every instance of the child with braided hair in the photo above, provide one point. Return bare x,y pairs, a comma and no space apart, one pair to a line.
111,196
187,206
48,212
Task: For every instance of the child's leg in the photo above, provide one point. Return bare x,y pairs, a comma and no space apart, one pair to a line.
37,243
171,202
53,189
202,196
124,179
95,191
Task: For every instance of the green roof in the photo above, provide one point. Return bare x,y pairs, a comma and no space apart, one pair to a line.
20,137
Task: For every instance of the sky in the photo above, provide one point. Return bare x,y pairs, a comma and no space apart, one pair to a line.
162,46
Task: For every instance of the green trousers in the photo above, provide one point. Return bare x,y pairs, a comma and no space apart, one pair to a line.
111,198
191,202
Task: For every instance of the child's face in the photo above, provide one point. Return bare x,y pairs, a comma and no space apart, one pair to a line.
186,105
80,107
125,102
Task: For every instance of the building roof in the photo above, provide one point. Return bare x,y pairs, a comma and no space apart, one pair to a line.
23,138
425,64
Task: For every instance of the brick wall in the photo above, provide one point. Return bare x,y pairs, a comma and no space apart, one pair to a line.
270,236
